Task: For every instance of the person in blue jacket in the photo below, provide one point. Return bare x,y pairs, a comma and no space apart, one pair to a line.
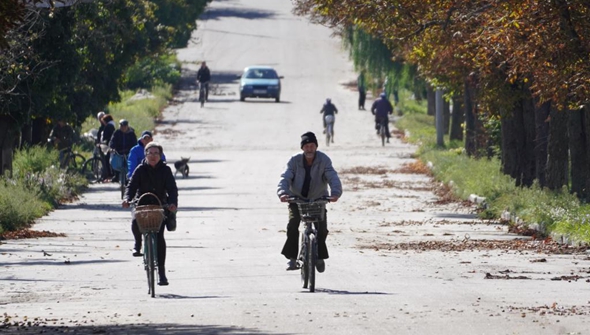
137,153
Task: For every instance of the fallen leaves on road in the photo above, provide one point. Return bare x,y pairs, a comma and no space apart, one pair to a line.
542,246
416,167
28,233
365,170
554,309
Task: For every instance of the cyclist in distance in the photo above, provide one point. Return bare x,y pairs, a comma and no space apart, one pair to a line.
122,141
382,108
307,175
154,176
328,109
203,77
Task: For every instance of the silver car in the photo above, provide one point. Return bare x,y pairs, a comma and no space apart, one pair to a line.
260,82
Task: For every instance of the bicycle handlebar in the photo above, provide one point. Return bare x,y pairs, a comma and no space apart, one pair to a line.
294,199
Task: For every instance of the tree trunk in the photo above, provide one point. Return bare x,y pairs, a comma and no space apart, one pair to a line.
509,147
431,101
446,116
457,117
7,143
541,141
527,155
470,116
579,168
557,150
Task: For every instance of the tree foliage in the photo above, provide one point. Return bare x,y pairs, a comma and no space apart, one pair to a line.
68,62
542,44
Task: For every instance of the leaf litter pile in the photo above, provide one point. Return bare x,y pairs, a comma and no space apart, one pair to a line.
28,233
547,246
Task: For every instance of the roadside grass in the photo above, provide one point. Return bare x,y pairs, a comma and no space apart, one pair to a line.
556,213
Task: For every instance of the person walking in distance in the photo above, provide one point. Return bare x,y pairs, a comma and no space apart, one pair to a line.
203,77
154,176
308,175
382,108
362,90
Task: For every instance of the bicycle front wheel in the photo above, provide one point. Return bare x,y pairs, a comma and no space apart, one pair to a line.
313,259
303,259
150,263
76,162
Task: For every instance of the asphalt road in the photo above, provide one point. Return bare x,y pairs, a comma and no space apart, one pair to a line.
224,265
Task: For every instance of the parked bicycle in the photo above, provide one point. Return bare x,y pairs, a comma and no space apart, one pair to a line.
329,129
203,92
93,166
149,220
311,212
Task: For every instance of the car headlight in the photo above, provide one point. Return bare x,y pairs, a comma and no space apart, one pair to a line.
275,87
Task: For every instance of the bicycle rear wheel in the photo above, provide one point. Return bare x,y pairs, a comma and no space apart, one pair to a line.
382,133
313,258
328,134
92,169
150,263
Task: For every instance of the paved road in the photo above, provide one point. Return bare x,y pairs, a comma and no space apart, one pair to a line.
225,270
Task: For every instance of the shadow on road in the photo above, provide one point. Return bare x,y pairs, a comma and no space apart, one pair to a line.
151,328
349,292
240,13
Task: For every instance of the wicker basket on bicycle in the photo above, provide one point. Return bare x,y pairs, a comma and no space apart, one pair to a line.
149,217
312,211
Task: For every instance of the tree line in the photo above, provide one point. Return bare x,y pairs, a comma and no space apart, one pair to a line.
68,62
518,72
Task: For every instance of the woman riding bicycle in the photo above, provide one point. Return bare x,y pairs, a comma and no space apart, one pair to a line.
307,175
154,176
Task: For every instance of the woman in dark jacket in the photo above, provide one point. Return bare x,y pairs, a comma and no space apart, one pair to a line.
105,138
154,176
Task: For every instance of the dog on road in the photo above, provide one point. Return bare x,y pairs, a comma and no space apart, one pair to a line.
182,167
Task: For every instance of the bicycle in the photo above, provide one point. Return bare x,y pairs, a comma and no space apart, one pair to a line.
93,166
71,160
312,212
203,92
149,220
329,129
122,169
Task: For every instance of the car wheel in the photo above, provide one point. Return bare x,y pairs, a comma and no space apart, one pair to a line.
278,99
242,98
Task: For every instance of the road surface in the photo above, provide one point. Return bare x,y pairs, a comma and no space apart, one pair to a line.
224,265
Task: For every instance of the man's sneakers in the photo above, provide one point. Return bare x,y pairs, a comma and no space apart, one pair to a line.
137,252
320,265
292,264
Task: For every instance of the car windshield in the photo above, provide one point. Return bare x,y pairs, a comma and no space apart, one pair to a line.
261,74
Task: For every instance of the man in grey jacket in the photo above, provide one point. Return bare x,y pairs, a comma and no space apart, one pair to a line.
307,175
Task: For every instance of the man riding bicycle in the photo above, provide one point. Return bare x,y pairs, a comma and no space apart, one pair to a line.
307,175
329,109
203,77
381,109
154,176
